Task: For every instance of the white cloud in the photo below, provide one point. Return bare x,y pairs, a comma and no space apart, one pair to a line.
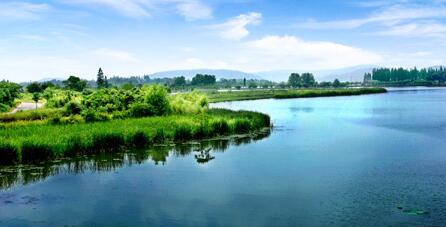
235,28
290,52
387,16
114,55
22,11
190,9
425,29
194,10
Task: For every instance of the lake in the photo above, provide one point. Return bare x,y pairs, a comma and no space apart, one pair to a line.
372,160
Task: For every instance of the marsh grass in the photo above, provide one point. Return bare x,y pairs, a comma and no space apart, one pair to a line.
290,93
36,142
32,115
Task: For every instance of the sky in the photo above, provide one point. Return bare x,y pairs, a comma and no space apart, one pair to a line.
57,38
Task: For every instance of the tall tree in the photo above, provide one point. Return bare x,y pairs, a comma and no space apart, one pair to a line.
179,81
308,80
34,87
36,97
75,83
336,83
101,81
295,80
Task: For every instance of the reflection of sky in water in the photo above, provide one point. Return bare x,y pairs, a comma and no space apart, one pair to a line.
340,161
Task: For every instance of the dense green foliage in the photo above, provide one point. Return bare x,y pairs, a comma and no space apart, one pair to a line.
290,93
179,81
112,103
33,142
8,93
430,76
305,80
75,83
200,79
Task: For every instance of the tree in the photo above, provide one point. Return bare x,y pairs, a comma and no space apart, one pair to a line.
101,81
308,80
179,81
36,97
34,87
200,79
75,83
295,80
8,93
244,82
337,83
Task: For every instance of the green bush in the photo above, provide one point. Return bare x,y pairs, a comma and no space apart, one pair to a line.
141,110
73,108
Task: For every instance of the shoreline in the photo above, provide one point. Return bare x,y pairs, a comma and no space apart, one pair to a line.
289,94
34,143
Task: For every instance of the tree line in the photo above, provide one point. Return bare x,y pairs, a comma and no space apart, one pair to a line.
436,75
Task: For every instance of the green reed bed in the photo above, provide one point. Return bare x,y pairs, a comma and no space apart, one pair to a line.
36,142
290,93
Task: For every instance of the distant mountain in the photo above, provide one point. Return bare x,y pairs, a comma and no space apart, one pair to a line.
344,74
219,73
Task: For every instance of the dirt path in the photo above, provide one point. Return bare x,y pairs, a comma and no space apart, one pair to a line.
27,106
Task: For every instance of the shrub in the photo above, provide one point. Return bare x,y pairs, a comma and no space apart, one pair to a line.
91,115
193,102
156,97
141,110
73,108
73,119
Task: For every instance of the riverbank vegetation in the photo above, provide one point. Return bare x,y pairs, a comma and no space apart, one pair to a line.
35,142
406,77
289,93
8,93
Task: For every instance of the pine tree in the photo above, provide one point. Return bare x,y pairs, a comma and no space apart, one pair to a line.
101,81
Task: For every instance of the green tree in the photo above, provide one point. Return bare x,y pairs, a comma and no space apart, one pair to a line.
308,80
8,93
295,80
36,98
101,81
201,79
75,83
34,87
337,83
179,81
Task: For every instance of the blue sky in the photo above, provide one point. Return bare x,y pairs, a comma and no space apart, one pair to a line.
57,38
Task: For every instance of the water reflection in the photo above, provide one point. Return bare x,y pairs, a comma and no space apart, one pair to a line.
11,176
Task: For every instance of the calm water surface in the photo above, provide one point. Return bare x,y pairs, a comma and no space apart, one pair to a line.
341,161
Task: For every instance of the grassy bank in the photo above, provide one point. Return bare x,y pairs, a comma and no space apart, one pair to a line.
291,93
35,142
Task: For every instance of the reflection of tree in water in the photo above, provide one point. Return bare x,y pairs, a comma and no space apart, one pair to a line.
11,176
